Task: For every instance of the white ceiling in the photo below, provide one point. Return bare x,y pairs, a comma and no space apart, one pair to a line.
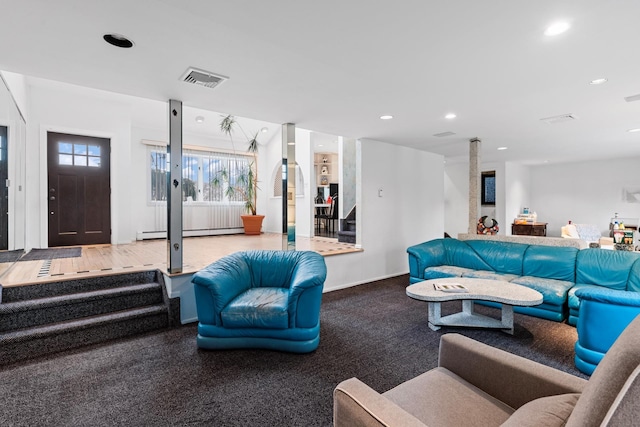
335,66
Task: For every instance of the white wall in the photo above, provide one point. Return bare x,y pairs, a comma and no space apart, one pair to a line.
584,192
410,211
517,184
17,85
456,198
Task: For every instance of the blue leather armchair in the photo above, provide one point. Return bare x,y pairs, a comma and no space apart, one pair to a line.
604,314
261,299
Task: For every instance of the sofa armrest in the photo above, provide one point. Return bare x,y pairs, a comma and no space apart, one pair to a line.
425,255
357,404
217,284
610,296
519,381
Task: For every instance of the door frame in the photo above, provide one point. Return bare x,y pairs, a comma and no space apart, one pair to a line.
43,193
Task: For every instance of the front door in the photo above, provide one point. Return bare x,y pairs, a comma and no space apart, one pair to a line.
79,192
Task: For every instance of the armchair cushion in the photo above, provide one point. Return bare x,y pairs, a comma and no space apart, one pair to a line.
463,403
258,308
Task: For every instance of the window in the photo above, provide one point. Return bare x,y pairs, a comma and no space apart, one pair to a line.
71,154
201,175
488,197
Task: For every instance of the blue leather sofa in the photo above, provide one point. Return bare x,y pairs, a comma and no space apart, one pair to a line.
604,314
549,270
261,299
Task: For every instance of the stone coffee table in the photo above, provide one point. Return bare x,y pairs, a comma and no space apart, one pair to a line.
509,294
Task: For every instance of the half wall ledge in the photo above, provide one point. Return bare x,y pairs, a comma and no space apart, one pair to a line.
530,240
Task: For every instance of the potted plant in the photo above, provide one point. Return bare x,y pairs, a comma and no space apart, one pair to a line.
245,184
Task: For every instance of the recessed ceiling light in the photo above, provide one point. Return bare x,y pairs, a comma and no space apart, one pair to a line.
598,81
320,145
386,117
450,116
291,143
199,119
634,130
264,129
118,40
556,28
502,148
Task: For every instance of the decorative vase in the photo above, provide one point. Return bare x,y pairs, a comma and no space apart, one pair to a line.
252,224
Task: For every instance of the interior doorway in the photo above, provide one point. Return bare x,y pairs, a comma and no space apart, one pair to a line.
78,190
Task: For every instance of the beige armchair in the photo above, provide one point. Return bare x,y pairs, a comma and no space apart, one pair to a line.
478,385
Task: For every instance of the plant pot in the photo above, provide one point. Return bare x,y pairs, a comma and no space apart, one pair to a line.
252,223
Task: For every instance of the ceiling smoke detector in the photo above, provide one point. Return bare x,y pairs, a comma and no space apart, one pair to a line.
559,119
202,77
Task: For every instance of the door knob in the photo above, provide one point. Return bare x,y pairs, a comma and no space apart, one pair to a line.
52,198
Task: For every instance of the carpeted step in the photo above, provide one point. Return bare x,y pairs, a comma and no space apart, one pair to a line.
42,311
67,287
347,236
42,340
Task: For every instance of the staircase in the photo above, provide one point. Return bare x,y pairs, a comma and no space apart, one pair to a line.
347,233
46,318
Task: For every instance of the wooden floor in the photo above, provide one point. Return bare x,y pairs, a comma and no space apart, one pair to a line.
144,255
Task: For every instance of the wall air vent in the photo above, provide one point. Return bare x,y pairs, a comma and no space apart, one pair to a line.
559,119
202,77
443,134
632,98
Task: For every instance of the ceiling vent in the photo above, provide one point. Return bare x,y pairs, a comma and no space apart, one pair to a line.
202,77
632,98
442,134
560,119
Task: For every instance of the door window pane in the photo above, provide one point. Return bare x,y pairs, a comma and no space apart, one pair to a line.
80,149
65,147
80,160
94,150
94,162
65,159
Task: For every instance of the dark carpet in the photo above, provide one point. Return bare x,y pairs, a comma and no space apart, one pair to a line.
51,253
10,256
372,331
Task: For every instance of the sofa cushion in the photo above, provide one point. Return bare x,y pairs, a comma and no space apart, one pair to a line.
442,271
550,262
258,308
464,403
489,275
572,300
553,291
503,257
546,411
604,267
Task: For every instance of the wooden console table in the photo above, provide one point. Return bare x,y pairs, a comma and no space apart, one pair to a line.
535,229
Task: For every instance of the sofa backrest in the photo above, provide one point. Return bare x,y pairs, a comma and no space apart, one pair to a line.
503,257
605,267
550,262
633,283
460,254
